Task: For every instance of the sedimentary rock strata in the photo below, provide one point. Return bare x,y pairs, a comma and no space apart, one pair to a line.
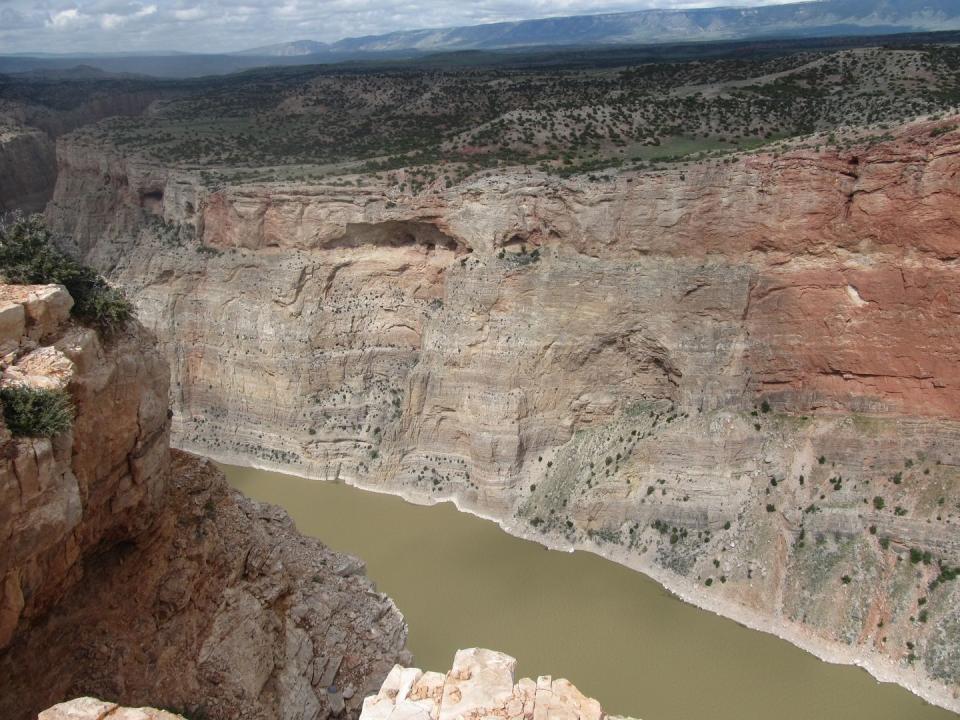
738,376
132,575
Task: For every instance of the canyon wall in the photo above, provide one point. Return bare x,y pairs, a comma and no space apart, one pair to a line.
28,168
134,575
28,133
738,376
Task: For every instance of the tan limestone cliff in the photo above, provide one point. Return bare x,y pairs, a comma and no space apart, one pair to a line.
130,574
738,377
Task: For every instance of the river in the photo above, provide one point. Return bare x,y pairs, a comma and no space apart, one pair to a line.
617,635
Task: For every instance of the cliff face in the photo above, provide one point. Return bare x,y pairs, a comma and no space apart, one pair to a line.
98,484
28,133
28,167
739,377
148,580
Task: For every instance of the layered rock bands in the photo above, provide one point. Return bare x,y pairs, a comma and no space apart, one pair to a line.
738,376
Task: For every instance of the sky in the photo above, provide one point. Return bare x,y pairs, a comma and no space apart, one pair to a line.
99,26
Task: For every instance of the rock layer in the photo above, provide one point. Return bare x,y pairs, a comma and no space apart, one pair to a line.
129,575
739,377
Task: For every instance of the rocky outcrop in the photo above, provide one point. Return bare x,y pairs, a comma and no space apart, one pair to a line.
92,709
130,575
102,482
737,376
480,685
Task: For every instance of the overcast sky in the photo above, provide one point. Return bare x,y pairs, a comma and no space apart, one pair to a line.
226,25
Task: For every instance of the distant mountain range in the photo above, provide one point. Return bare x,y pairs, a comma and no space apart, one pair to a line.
641,36
818,18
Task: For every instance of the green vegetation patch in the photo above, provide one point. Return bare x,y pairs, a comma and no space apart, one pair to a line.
447,123
28,257
35,412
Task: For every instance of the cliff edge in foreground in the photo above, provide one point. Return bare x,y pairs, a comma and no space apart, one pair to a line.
480,685
132,573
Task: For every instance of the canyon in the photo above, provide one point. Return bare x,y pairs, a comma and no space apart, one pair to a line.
28,161
33,116
738,376
138,574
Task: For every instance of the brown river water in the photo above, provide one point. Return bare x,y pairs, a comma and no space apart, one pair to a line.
617,635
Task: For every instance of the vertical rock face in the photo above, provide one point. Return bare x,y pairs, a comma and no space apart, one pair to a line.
28,166
131,575
740,377
62,497
480,685
28,133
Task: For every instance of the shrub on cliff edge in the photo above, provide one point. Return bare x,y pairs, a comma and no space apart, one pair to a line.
34,412
27,257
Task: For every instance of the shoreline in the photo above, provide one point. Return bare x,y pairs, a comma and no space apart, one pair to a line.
881,669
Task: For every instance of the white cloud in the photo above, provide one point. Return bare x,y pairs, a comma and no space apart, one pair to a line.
67,19
111,21
190,14
114,21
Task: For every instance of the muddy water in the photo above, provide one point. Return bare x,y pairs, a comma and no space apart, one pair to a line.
462,582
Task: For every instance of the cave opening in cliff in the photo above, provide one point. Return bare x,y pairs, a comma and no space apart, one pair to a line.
152,201
399,234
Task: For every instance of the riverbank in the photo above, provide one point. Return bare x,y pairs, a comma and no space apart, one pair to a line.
679,587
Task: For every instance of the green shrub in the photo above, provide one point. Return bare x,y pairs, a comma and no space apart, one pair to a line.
32,412
27,257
